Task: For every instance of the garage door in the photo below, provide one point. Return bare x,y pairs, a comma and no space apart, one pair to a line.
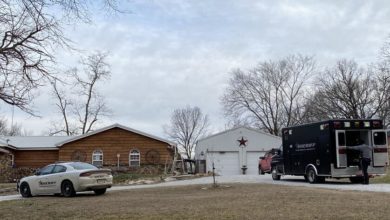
253,162
225,163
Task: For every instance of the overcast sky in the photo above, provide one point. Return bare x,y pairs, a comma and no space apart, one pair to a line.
169,54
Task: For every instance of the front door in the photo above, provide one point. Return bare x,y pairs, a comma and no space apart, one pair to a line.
379,144
341,149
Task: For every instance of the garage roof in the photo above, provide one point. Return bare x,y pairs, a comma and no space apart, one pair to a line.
238,127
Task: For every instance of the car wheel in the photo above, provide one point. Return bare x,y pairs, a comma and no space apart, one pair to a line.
100,191
25,190
67,189
275,175
312,176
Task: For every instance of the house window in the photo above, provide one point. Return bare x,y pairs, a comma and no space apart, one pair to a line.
97,158
134,158
11,160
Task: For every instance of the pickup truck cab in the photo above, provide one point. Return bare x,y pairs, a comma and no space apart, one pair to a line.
265,161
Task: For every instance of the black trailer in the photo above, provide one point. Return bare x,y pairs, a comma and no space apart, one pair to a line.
319,150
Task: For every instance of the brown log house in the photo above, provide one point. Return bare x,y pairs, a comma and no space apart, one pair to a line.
109,146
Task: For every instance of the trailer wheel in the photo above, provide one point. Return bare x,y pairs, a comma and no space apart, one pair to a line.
311,175
275,175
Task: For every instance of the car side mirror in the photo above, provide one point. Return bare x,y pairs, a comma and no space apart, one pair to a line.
38,172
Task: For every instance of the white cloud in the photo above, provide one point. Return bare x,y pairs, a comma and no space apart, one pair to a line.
167,55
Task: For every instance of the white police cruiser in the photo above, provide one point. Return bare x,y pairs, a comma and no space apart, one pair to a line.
66,179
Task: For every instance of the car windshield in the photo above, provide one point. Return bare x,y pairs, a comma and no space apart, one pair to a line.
82,166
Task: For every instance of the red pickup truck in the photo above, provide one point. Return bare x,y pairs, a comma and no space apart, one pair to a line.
265,161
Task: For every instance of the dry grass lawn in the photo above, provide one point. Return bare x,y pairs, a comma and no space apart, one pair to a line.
382,179
7,185
240,201
8,189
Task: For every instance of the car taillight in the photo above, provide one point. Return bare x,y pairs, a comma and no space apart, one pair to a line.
86,174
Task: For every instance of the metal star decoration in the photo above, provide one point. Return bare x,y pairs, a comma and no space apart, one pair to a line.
242,142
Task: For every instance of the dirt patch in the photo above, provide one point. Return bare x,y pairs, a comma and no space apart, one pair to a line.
238,201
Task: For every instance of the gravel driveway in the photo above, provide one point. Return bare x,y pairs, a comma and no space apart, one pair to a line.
286,180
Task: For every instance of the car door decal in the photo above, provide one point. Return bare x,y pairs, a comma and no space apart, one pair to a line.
46,183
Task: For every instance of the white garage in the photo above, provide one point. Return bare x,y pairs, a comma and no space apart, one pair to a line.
235,151
225,163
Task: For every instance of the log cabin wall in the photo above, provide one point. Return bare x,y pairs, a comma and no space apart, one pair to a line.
116,141
34,158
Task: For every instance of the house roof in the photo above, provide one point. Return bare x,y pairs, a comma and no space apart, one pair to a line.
3,143
55,142
34,142
75,138
236,128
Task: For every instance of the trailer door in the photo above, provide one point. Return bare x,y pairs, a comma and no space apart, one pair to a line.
341,149
379,143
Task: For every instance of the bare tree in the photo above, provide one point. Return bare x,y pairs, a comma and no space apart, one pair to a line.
349,91
27,36
84,107
271,95
30,31
63,105
382,90
13,129
382,82
186,127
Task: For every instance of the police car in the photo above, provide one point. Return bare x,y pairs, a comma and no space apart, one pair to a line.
66,179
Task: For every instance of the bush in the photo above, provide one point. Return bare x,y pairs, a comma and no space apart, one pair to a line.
124,174
9,174
142,170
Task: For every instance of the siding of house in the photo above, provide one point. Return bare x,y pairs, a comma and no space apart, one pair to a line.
36,158
115,141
